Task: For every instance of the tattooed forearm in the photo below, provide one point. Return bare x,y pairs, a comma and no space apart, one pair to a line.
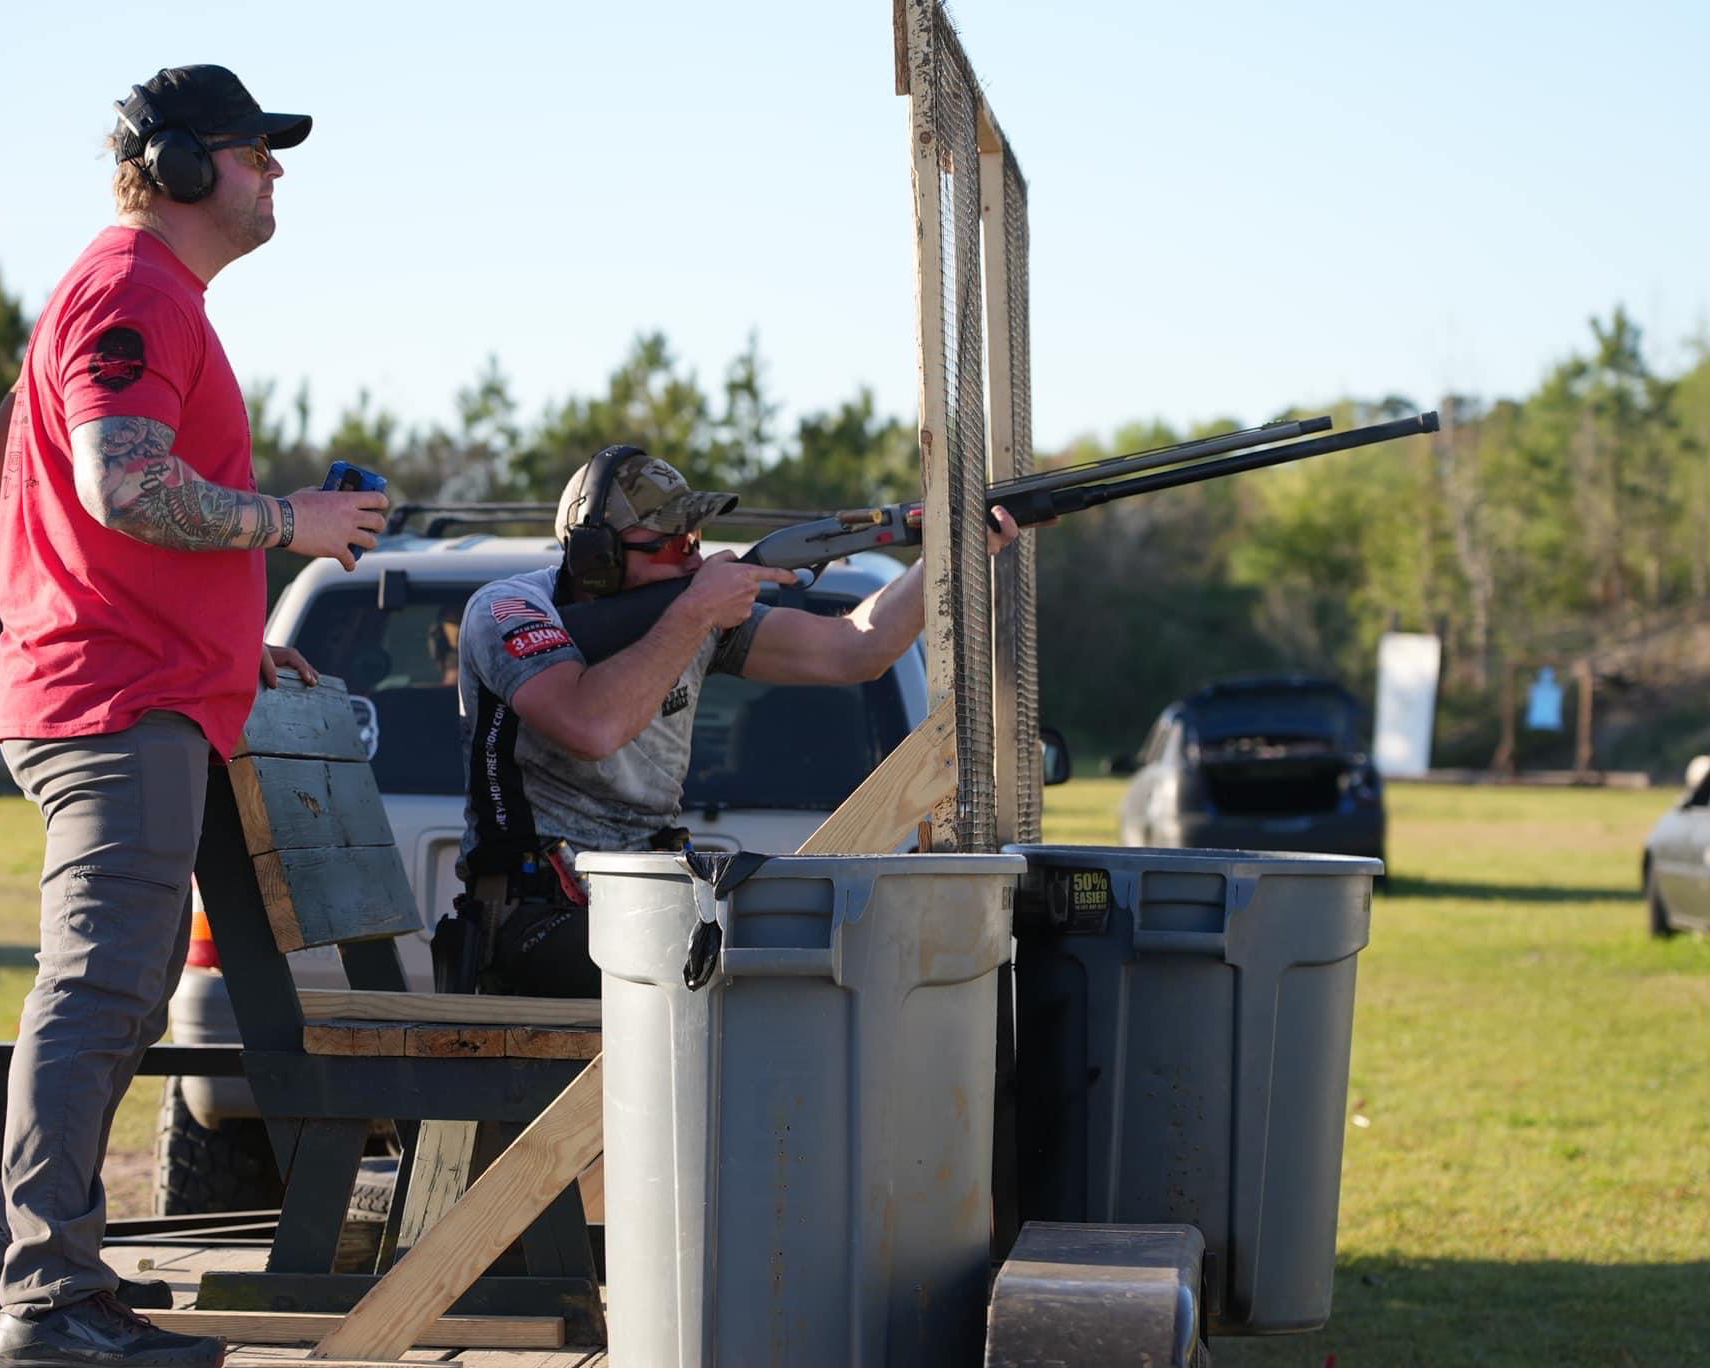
262,534
129,480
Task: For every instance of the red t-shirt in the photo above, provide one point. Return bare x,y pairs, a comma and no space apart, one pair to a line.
96,627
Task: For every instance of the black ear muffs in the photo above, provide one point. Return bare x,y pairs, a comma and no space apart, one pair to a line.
174,159
593,551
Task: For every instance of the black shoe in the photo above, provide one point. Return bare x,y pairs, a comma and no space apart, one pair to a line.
145,1294
101,1332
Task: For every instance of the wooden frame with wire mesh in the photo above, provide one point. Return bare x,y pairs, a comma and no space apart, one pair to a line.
975,426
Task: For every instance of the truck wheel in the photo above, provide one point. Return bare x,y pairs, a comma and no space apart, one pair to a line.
371,1199
365,1220
197,1169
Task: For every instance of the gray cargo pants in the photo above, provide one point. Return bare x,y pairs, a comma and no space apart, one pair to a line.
124,817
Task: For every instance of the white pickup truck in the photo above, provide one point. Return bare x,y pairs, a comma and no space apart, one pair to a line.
388,630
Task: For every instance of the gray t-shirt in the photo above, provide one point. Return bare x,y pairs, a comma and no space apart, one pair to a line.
523,791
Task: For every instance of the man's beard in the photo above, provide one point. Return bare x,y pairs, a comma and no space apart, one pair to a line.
245,230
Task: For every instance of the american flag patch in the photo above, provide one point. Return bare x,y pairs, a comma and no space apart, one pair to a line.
516,609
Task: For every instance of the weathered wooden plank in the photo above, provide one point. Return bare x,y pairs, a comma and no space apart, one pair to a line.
423,1040
440,1174
437,1041
322,897
290,804
353,1038
314,723
253,1360
913,779
551,1042
544,1160
593,1185
930,164
305,1327
473,1009
1002,436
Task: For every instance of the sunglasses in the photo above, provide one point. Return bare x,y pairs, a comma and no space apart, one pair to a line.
671,550
254,152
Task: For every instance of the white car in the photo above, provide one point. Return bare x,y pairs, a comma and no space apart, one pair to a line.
388,630
1676,868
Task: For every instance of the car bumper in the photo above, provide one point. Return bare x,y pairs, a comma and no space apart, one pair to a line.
1333,834
200,1013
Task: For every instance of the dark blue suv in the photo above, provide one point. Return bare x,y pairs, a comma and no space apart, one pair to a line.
1269,763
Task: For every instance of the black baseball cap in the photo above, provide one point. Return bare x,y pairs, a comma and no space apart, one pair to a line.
206,100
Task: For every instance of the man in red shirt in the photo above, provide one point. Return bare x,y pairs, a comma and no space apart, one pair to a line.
132,595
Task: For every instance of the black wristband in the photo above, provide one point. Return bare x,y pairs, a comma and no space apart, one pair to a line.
287,525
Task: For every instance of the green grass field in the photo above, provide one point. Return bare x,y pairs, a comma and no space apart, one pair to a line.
1532,1181
1532,1184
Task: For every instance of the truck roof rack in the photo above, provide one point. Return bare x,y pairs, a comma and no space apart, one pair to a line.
438,519
442,517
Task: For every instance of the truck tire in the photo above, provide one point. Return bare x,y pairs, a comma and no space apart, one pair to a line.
365,1219
197,1169
1661,927
371,1199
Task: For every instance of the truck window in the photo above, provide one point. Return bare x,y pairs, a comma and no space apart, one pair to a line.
755,745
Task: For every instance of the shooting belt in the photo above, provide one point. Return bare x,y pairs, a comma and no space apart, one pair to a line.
534,921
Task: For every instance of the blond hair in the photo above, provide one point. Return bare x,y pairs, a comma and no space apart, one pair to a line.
133,192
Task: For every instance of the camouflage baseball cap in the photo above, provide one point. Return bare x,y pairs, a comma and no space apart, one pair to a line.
645,492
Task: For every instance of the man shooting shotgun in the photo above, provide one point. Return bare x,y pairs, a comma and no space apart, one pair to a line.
578,684
572,750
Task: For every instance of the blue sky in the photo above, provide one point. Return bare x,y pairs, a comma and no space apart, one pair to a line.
1234,208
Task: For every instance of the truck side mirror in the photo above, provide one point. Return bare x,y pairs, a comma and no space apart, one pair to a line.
1057,769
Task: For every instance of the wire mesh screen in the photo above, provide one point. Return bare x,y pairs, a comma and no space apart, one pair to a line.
1016,641
955,115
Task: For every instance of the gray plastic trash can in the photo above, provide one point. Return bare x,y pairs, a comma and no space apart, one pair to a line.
798,1154
1183,1026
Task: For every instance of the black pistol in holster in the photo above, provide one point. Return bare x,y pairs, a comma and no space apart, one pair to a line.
462,944
526,930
